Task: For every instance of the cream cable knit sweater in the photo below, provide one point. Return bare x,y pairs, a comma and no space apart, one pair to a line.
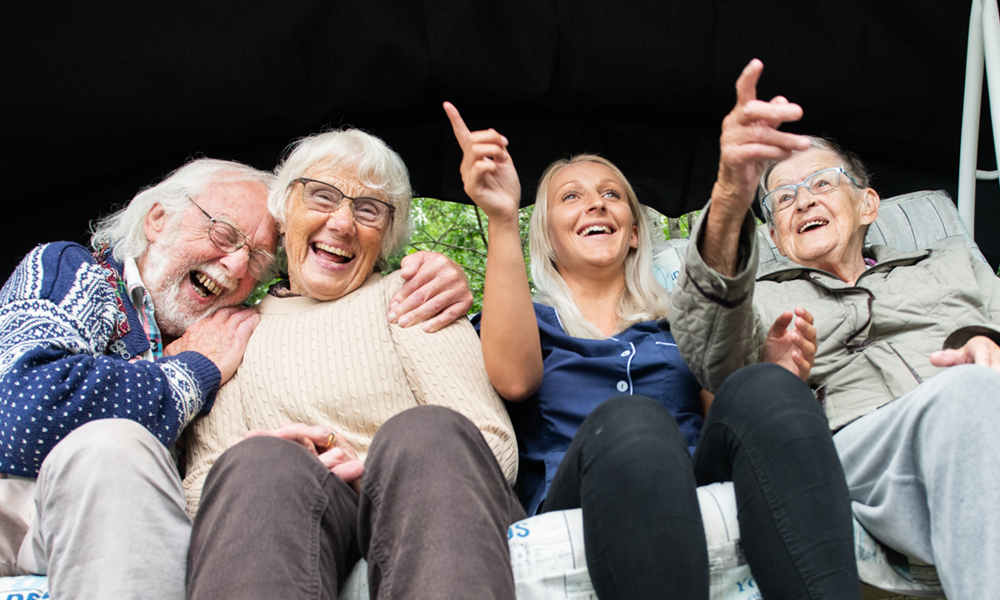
342,364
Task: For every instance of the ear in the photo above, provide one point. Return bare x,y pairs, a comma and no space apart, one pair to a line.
774,238
869,206
155,223
633,240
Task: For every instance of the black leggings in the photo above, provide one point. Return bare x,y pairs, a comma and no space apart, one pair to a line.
629,469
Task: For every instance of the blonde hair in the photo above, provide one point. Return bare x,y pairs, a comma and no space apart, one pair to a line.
643,299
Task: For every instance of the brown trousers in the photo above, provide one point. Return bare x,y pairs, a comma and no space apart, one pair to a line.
431,520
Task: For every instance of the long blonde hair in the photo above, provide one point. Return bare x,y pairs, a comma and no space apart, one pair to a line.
643,298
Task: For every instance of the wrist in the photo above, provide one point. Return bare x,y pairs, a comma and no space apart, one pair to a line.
503,222
729,205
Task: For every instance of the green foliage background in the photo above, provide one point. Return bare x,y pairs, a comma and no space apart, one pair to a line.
459,232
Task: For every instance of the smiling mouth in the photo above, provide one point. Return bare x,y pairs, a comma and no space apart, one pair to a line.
810,225
205,285
596,230
332,254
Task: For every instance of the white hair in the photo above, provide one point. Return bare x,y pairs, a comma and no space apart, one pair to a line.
849,161
124,229
643,299
377,167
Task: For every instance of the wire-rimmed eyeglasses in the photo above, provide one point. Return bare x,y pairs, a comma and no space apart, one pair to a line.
820,182
229,239
323,197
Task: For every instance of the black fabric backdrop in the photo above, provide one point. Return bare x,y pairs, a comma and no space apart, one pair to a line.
99,99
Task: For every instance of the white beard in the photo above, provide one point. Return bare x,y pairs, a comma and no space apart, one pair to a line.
164,274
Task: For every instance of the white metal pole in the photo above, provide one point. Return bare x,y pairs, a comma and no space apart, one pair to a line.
970,118
991,51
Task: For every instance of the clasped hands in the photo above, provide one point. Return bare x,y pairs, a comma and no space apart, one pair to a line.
340,458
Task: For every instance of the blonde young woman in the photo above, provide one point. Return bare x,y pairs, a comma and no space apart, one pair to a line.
607,414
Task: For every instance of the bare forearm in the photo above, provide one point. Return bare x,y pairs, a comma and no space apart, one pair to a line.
720,240
509,333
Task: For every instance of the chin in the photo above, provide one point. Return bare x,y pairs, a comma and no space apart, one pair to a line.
173,317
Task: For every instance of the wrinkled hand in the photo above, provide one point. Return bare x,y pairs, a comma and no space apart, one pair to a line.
221,338
487,169
750,139
793,348
436,292
341,458
979,350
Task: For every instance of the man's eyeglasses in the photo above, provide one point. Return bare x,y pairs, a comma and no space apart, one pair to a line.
323,197
820,182
227,238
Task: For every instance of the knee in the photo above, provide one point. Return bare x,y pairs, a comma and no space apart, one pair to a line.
423,442
424,430
620,416
963,399
264,461
631,425
115,448
763,395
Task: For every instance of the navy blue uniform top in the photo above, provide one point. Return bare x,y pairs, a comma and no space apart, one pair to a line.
580,374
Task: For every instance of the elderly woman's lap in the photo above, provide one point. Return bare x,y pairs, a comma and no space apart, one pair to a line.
270,515
431,482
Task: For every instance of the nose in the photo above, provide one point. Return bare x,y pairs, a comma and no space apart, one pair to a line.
341,219
237,263
597,203
804,198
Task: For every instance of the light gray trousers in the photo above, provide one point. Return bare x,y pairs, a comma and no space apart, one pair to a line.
924,477
110,516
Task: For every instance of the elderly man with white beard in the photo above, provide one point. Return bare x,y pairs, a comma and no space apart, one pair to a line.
96,386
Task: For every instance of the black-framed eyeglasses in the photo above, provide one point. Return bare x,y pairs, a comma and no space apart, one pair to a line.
820,182
227,238
323,197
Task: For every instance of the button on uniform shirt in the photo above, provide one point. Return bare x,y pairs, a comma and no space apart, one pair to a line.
580,374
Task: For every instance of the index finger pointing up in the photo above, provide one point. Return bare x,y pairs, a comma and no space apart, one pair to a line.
746,85
457,124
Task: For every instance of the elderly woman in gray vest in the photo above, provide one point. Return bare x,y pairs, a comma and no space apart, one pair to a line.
907,357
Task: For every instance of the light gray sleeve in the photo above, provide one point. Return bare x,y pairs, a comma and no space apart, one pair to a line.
712,317
989,287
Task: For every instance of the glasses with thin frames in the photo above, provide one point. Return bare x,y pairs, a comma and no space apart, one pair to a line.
820,182
227,238
323,197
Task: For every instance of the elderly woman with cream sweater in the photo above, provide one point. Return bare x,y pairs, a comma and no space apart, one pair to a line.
356,438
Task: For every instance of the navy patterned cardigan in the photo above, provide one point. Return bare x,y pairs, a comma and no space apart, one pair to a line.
69,336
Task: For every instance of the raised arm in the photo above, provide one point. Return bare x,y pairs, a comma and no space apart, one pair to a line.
509,333
712,311
749,140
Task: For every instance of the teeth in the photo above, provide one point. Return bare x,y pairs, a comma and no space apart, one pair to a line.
809,224
208,283
596,229
332,250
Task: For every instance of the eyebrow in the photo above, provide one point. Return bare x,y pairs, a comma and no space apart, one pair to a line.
600,183
808,175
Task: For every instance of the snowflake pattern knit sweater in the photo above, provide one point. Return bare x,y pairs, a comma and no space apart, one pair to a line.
68,338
